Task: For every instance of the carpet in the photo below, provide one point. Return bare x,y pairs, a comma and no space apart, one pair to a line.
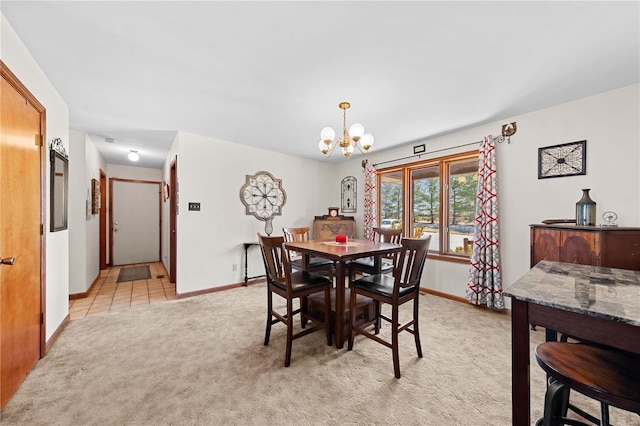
134,273
201,361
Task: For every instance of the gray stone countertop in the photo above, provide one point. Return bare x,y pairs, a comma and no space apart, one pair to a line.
603,292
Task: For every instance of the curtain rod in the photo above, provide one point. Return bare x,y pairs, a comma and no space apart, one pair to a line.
498,139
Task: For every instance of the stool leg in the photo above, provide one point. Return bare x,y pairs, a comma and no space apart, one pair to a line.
554,401
604,414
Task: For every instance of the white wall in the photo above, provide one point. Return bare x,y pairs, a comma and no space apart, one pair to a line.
85,163
610,123
212,172
15,55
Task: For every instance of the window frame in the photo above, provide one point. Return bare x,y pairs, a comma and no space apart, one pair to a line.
444,164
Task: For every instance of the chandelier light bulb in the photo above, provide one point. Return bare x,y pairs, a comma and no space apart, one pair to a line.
366,141
356,131
324,148
133,155
327,134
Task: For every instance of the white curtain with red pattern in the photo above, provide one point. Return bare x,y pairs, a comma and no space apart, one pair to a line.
485,283
370,200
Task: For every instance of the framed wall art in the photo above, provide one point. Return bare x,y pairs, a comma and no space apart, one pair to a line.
567,159
95,196
349,188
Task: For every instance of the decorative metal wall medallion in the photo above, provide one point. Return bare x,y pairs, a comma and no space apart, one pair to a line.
263,197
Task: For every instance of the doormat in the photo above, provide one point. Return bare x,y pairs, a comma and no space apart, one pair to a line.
134,273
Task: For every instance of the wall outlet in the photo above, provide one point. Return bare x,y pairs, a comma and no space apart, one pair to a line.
234,267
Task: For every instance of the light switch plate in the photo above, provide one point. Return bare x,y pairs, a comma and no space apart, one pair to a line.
194,206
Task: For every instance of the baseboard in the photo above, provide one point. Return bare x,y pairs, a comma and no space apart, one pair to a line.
444,295
461,300
164,268
55,335
215,289
75,296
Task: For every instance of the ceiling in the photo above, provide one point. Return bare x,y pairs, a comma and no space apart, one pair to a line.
271,74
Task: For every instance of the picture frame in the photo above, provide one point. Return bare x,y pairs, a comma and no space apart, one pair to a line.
95,196
165,191
567,159
349,194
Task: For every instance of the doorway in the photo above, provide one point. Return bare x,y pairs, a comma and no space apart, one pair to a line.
134,207
22,230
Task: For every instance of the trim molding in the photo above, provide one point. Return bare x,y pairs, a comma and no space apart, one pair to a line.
461,300
75,296
56,333
444,295
215,289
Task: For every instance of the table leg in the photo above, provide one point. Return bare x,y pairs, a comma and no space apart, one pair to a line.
520,381
246,277
340,290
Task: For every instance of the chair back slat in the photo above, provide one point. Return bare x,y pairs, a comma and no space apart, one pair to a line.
410,262
387,235
296,234
272,256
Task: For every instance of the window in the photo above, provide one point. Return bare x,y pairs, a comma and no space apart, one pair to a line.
434,197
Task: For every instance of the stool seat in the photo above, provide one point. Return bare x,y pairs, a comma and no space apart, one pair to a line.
606,375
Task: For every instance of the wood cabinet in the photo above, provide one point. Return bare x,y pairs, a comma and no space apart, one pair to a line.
614,247
325,228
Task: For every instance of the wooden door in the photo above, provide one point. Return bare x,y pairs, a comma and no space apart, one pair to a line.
173,219
21,218
103,220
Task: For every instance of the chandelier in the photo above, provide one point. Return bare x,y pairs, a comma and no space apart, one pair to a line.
355,137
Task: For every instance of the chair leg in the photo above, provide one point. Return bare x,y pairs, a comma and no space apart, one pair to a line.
304,303
267,332
416,329
327,314
378,307
352,308
287,355
394,341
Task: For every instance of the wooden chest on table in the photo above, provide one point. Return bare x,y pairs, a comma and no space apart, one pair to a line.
365,310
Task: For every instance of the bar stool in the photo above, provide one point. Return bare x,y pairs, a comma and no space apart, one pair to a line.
609,376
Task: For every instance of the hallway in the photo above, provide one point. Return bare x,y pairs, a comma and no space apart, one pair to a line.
109,296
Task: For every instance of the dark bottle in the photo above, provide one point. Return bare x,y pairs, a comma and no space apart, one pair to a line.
586,210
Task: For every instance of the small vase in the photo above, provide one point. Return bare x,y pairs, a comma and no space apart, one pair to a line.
586,210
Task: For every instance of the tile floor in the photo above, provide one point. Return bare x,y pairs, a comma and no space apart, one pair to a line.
108,296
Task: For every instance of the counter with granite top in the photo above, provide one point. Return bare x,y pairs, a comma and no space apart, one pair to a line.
596,291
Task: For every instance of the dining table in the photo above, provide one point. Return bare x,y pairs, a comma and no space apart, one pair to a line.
593,303
342,253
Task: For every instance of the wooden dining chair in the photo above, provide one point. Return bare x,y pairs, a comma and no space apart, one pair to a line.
317,264
366,265
610,376
281,280
402,287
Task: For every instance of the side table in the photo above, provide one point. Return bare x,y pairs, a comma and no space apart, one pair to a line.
246,249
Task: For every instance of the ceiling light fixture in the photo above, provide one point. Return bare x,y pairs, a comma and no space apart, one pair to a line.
355,137
133,155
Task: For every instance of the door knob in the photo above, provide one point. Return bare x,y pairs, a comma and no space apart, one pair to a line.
7,261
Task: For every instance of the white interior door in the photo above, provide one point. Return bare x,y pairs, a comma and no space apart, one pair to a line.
136,222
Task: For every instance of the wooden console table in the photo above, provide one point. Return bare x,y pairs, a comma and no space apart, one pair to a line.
246,249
